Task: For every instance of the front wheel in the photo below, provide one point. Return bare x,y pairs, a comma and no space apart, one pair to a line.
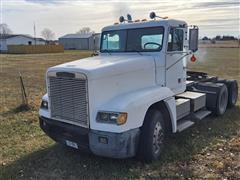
152,136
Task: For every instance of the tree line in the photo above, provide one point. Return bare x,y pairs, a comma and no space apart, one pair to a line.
220,38
46,33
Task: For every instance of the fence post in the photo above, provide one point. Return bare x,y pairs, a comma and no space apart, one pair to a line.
24,95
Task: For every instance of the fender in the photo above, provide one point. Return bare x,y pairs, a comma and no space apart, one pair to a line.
171,106
136,105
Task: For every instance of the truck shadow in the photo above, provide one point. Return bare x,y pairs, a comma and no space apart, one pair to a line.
58,162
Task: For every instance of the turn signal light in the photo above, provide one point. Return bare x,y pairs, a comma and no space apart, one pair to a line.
122,118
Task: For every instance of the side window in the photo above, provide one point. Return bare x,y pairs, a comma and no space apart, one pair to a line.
175,40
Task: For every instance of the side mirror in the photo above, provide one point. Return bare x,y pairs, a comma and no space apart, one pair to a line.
193,39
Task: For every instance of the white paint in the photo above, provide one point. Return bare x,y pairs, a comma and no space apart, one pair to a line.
171,105
129,82
44,112
136,104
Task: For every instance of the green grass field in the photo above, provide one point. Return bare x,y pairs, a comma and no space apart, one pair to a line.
210,149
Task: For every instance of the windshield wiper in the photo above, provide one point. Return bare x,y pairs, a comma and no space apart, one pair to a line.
107,51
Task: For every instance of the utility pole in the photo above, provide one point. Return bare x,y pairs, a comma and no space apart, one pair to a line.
238,41
34,29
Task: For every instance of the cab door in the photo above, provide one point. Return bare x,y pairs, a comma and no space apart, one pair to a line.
175,60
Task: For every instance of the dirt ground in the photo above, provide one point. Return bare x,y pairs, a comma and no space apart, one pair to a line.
208,150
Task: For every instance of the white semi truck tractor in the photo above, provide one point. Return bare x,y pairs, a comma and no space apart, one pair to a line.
123,102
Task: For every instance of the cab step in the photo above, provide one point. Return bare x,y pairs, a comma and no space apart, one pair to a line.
199,115
184,124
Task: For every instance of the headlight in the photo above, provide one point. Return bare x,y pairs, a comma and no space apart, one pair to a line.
44,104
118,118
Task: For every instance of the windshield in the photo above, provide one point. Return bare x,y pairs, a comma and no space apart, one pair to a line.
132,40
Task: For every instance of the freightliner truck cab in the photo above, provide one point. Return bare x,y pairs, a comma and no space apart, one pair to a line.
123,102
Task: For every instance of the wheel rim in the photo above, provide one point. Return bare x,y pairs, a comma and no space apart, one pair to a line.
223,102
157,138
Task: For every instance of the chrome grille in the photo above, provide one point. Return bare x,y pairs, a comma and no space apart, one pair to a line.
68,99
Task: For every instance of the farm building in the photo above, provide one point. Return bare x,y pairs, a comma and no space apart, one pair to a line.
81,41
18,39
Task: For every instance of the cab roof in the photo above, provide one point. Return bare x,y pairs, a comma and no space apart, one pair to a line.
142,24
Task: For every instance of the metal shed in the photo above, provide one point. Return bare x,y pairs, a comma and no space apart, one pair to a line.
18,39
80,41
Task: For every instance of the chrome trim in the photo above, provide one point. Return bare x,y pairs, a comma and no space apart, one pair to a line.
69,83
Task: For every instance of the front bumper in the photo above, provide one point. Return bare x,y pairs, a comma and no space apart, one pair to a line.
115,145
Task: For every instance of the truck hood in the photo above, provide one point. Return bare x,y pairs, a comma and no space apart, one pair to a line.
106,65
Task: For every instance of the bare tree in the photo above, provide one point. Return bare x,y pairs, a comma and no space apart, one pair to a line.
47,34
4,29
85,30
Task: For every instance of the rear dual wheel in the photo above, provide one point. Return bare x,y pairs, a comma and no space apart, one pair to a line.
222,101
232,92
227,96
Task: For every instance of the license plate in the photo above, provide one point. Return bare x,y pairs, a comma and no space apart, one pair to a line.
71,144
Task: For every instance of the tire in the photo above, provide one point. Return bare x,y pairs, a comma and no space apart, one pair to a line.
152,136
222,101
232,93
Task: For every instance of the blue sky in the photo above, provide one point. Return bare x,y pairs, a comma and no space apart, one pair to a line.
62,16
